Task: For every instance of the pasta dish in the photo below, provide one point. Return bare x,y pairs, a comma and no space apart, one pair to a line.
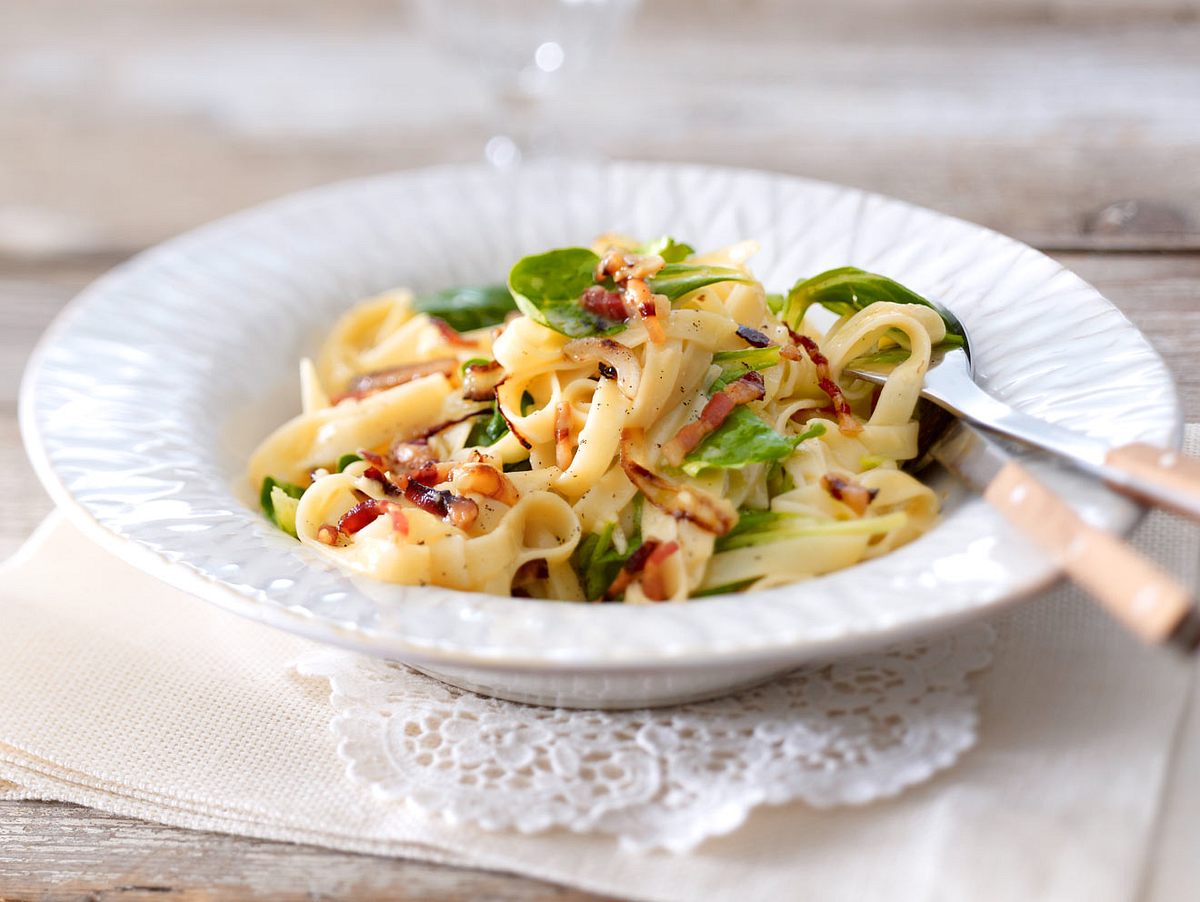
630,422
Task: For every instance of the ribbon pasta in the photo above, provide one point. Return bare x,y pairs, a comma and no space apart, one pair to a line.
697,447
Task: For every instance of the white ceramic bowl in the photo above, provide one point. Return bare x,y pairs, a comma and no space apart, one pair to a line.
144,399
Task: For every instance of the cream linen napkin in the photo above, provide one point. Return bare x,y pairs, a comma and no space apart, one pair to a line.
122,694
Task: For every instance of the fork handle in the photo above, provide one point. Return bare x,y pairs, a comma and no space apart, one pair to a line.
1135,590
1156,476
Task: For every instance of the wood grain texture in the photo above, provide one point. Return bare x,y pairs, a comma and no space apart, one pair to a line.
57,852
1070,124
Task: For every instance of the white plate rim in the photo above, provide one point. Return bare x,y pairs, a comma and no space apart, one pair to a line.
700,654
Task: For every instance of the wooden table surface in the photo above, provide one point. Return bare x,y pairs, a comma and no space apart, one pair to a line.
1071,124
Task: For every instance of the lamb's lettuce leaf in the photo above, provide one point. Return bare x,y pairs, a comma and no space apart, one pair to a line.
848,289
470,307
597,560
761,527
487,430
741,440
279,501
344,461
677,279
668,248
547,288
735,364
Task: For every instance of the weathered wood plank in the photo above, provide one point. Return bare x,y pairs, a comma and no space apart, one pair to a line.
137,120
55,852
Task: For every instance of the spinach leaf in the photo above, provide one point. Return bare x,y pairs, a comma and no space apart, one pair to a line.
848,289
668,248
736,586
468,308
735,364
520,466
677,279
487,430
743,439
547,288
596,559
760,527
775,302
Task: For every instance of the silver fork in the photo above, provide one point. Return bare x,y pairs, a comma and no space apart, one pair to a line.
1157,476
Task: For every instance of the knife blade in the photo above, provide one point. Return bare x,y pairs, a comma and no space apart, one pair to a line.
1135,590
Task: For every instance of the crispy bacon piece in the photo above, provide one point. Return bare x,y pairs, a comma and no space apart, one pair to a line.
753,337
747,388
653,578
854,496
328,534
847,425
417,486
562,435
632,567
451,335
680,501
379,380
484,479
604,303
643,304
613,358
454,509
480,380
367,512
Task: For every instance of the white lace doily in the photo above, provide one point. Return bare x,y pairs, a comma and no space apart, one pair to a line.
848,733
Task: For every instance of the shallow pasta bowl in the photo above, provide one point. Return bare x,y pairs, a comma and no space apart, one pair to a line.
144,400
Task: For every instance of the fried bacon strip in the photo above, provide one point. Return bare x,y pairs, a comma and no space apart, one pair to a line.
480,380
608,304
366,512
682,502
633,566
741,391
417,487
847,424
379,380
854,496
643,304
654,583
635,300
648,561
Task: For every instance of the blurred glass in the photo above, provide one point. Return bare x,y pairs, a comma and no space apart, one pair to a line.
526,53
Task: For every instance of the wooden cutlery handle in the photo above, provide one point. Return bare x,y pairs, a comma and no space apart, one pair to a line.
1158,476
1133,589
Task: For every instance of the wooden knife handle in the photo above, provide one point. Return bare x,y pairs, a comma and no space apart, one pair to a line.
1133,589
1157,476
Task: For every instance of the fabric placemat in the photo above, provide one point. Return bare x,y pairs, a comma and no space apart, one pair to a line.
125,695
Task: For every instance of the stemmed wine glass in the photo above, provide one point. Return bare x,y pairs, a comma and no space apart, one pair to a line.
526,52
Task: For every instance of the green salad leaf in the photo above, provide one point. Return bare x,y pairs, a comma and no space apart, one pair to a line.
344,461
735,364
547,288
760,527
596,559
487,430
279,501
848,289
668,248
677,279
467,308
743,439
